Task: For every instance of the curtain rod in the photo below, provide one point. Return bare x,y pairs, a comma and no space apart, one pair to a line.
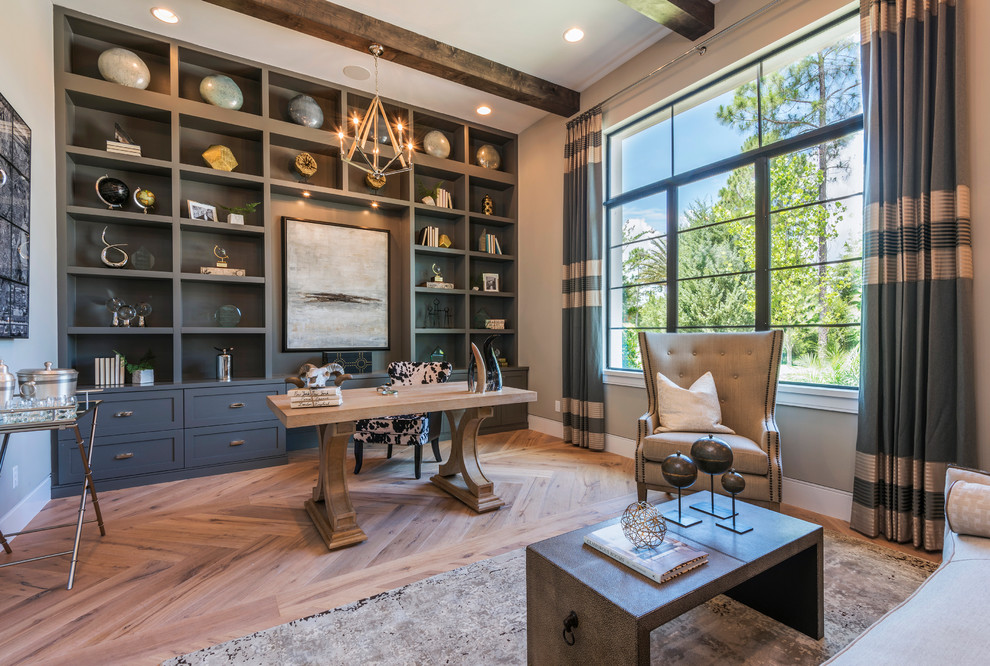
700,49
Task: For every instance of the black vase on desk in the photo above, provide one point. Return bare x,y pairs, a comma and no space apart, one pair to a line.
493,373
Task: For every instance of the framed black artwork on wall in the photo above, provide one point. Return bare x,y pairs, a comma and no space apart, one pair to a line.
15,221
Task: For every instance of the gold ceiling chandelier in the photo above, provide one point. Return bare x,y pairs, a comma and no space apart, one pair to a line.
377,165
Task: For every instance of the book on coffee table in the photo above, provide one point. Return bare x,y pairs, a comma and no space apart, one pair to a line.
671,558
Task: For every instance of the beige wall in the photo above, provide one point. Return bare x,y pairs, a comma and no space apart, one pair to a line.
27,81
818,445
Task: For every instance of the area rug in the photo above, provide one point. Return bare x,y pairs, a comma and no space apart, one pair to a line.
477,615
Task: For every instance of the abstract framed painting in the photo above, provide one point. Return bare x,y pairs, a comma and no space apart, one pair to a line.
335,286
15,221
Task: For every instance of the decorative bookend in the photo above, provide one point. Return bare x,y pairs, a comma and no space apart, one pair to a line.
477,376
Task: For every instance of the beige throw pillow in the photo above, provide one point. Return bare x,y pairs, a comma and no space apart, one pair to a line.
695,409
967,508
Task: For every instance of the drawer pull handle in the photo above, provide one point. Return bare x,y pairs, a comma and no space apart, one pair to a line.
121,415
123,456
236,405
237,442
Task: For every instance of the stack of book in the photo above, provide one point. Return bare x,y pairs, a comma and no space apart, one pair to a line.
109,371
429,236
489,243
668,560
443,199
327,396
123,148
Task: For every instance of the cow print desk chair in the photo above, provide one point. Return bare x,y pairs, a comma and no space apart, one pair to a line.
407,429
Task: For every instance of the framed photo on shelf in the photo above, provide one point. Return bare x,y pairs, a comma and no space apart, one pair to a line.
335,282
489,282
202,211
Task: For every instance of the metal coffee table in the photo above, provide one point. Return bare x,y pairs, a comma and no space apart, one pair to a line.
775,569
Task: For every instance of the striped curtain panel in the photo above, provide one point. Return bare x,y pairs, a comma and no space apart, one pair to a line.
583,391
916,402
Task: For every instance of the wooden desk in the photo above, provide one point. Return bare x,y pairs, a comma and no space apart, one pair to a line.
330,507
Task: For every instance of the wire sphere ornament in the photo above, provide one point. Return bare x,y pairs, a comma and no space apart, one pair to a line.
643,525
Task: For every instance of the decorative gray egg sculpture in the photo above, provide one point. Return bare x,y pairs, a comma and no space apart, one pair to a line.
220,90
305,111
124,67
435,143
488,156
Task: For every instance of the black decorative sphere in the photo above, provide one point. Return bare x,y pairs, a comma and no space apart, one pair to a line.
712,455
733,482
679,470
112,192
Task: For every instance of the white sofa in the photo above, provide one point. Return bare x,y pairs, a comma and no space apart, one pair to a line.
946,620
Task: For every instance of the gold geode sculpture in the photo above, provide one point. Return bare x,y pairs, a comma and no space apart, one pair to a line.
305,165
220,158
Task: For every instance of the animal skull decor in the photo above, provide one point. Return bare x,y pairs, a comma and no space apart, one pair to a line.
313,376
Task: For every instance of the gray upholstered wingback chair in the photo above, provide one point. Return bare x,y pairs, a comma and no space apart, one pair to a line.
745,367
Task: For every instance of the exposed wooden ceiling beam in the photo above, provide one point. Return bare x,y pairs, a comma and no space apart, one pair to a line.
688,18
347,27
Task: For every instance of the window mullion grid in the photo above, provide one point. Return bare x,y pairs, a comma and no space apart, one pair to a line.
762,243
672,242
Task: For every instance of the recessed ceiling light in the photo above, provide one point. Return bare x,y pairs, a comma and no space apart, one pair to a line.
165,15
484,110
307,193
357,73
573,35
374,204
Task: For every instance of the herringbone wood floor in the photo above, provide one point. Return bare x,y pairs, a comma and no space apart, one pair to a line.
192,563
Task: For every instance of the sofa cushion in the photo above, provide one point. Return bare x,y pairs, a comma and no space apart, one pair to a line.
747,456
693,409
967,508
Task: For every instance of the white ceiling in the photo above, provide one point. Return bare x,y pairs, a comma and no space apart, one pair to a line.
524,34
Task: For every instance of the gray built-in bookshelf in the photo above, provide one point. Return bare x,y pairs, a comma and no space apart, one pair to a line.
173,126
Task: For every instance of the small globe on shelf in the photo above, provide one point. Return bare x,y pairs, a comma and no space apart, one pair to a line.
643,525
113,192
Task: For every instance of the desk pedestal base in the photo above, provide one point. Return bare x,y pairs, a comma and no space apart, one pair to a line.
330,509
333,538
474,489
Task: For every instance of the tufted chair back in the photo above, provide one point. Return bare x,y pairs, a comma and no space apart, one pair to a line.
745,367
410,373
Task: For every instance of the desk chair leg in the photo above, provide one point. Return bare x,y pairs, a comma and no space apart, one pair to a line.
358,455
419,460
389,454
3,454
436,449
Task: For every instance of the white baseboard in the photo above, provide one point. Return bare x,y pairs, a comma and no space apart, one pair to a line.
820,499
24,511
621,446
546,426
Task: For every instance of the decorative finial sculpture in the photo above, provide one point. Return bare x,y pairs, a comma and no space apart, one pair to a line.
713,456
680,472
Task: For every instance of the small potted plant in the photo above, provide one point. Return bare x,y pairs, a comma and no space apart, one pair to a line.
428,195
142,372
235,214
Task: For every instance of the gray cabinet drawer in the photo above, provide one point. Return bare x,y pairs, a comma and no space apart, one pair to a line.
207,446
123,455
138,412
224,406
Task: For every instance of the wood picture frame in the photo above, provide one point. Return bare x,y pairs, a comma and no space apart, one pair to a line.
202,211
490,282
335,287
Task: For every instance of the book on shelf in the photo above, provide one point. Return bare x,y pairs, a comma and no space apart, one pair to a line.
668,560
123,148
439,285
109,371
489,243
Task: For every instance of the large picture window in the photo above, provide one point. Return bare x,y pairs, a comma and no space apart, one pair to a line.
739,207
